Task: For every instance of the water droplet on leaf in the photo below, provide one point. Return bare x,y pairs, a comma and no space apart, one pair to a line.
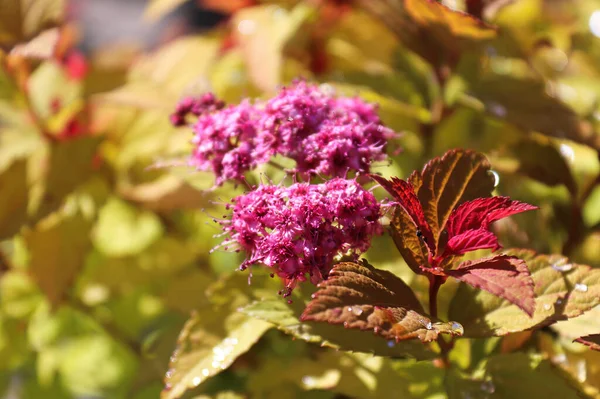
581,287
488,387
205,372
196,381
457,328
561,266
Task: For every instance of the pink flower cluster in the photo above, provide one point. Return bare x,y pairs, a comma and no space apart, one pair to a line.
298,230
326,135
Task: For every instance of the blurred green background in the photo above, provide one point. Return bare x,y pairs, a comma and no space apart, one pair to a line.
105,237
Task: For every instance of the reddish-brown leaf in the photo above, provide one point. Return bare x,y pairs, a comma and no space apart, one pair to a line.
471,240
481,212
593,341
505,276
446,182
359,296
563,290
411,246
404,193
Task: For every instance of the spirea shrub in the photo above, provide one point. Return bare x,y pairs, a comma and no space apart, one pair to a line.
324,134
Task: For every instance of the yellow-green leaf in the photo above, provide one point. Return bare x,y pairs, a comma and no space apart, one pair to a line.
286,317
522,376
432,30
562,290
23,19
124,230
14,198
208,344
58,246
262,32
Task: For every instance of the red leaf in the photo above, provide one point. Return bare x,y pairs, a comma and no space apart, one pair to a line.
471,240
405,194
481,212
593,341
505,276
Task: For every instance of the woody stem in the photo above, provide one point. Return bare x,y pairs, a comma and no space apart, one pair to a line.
435,282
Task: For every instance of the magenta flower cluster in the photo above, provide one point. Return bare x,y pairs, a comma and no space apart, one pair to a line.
298,230
326,135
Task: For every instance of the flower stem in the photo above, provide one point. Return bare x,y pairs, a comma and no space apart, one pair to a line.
435,282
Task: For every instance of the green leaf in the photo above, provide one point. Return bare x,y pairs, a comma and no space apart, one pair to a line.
562,290
286,317
123,230
166,193
520,375
49,83
446,182
96,365
359,296
525,103
539,159
57,246
262,33
41,47
23,19
208,344
70,163
460,385
354,375
14,348
591,341
215,335
19,295
432,30
13,202
586,324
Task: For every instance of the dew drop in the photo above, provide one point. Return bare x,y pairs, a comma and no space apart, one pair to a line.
560,358
246,27
561,266
594,23
497,109
581,370
196,381
309,381
559,301
357,311
581,287
496,177
391,344
547,306
429,326
457,328
488,387
345,324
205,372
567,152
